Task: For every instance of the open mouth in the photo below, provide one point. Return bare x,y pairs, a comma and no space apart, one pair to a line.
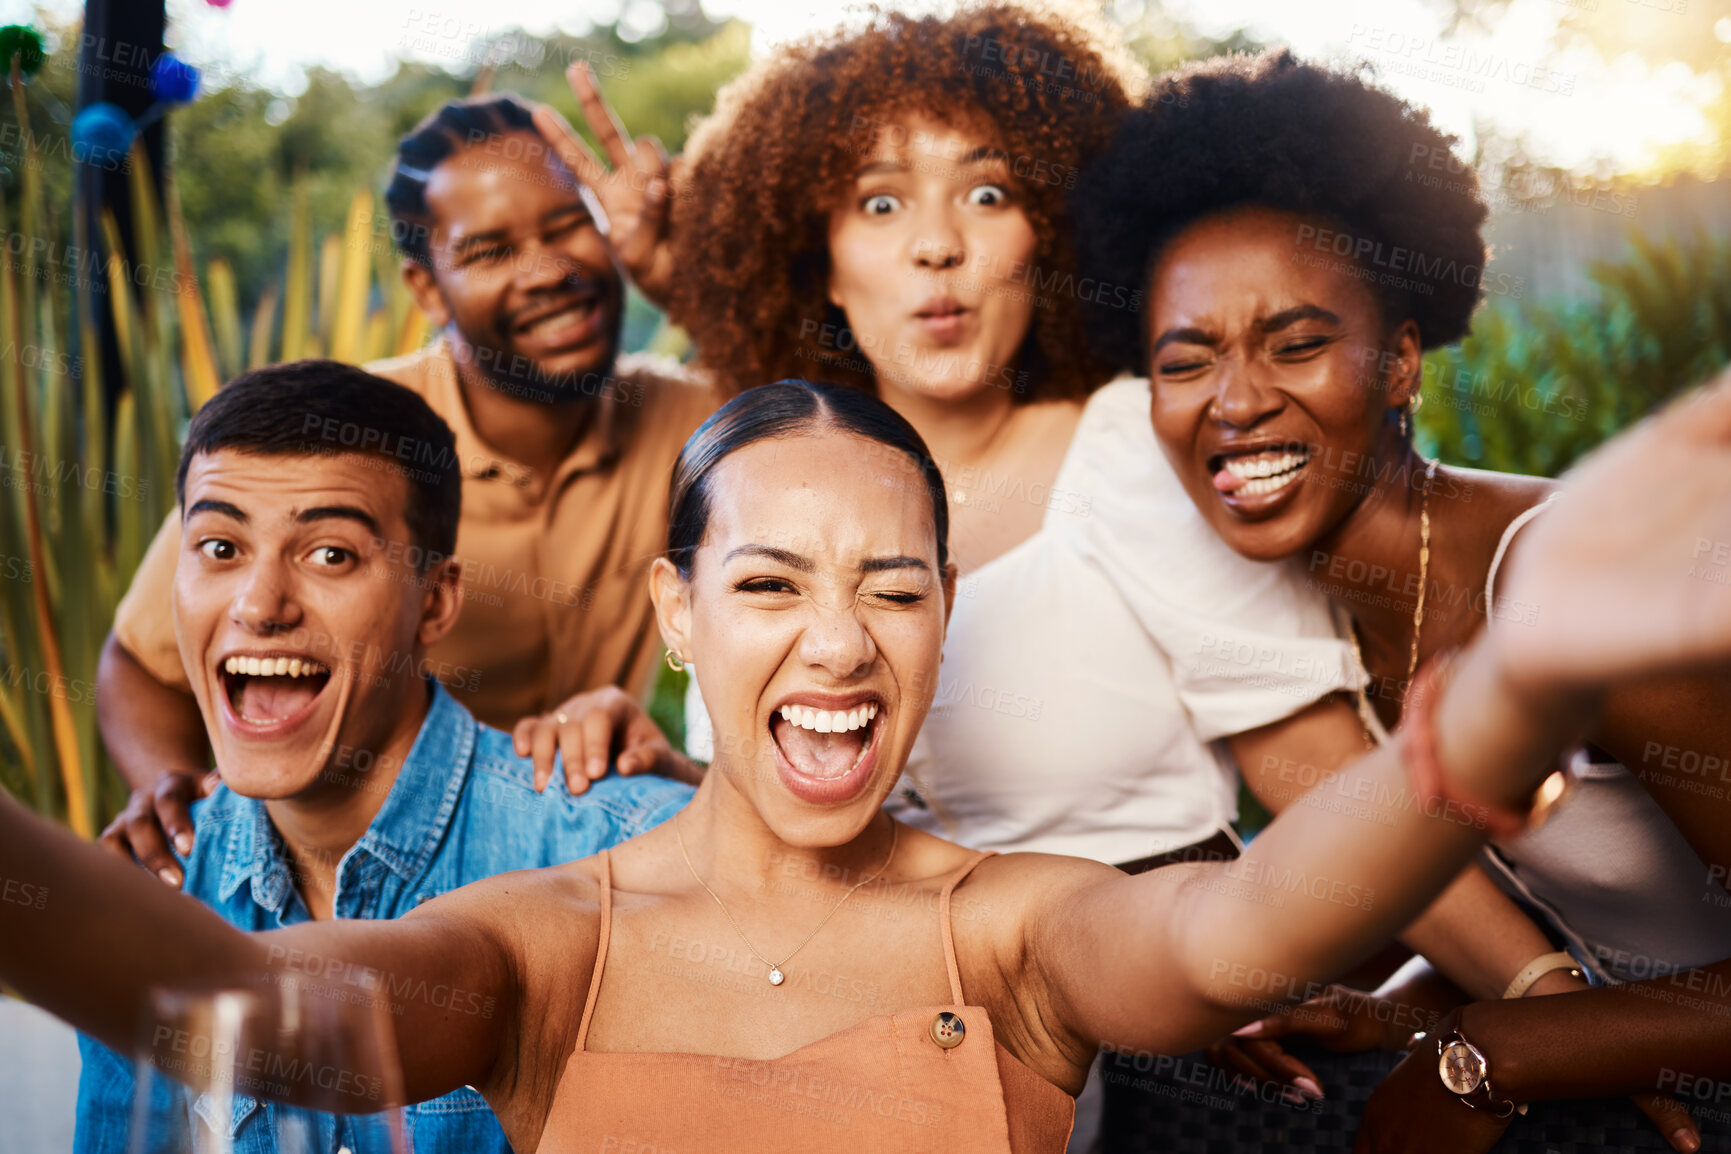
271,690
1258,472
826,754
574,313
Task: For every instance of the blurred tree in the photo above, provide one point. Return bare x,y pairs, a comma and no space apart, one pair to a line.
1535,385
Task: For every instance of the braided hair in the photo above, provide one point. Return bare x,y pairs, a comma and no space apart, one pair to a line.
437,138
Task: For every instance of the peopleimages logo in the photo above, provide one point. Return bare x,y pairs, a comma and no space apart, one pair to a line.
1426,272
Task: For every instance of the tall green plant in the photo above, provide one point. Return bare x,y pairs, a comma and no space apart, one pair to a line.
64,567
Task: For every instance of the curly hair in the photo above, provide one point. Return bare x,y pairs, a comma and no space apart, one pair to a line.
762,173
1270,130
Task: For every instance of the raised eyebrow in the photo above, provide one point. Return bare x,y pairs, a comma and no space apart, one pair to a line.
780,556
987,152
882,564
1292,316
339,512
224,509
1190,336
221,508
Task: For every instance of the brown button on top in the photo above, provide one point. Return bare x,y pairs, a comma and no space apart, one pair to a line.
948,1030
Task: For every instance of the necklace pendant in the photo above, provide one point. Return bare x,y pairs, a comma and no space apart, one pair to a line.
776,977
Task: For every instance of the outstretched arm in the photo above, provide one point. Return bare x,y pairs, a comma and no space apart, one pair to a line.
1472,933
1202,948
88,938
1171,959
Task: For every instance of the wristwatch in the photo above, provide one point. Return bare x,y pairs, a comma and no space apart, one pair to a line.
1467,1074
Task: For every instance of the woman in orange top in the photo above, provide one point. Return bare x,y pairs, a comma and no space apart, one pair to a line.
784,967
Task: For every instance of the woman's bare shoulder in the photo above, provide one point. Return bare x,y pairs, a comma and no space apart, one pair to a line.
543,923
1498,496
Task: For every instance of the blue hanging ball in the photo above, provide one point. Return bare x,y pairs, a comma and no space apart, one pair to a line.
101,134
173,80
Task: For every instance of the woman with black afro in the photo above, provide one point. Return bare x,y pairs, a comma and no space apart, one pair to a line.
1303,237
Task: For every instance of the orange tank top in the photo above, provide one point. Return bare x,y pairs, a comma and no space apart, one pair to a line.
927,1079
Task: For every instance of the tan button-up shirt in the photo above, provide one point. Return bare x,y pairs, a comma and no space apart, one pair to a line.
555,568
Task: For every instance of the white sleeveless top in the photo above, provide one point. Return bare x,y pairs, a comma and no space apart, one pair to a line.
1089,671
1609,871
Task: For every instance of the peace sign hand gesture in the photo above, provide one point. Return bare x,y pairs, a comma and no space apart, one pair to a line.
633,188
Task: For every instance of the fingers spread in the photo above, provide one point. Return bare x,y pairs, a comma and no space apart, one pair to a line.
573,152
600,117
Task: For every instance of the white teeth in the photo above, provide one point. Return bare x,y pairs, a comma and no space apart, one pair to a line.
828,721
272,666
1264,465
1265,485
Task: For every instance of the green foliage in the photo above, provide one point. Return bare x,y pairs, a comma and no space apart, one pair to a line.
667,702
63,490
1536,386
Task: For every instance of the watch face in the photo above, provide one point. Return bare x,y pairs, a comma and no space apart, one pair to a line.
1462,1067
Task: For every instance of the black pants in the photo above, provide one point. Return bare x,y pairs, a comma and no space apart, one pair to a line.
1159,1104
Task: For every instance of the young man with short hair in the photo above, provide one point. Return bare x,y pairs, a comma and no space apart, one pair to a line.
310,584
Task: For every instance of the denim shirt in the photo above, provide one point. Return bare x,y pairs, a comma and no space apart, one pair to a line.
462,808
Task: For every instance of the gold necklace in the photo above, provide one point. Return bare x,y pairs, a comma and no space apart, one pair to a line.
776,977
955,492
1367,716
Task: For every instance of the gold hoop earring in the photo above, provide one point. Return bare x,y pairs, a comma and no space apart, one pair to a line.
674,660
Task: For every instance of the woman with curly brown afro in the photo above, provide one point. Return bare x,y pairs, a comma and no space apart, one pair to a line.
1297,264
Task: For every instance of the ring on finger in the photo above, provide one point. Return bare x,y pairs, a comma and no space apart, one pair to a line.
561,718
